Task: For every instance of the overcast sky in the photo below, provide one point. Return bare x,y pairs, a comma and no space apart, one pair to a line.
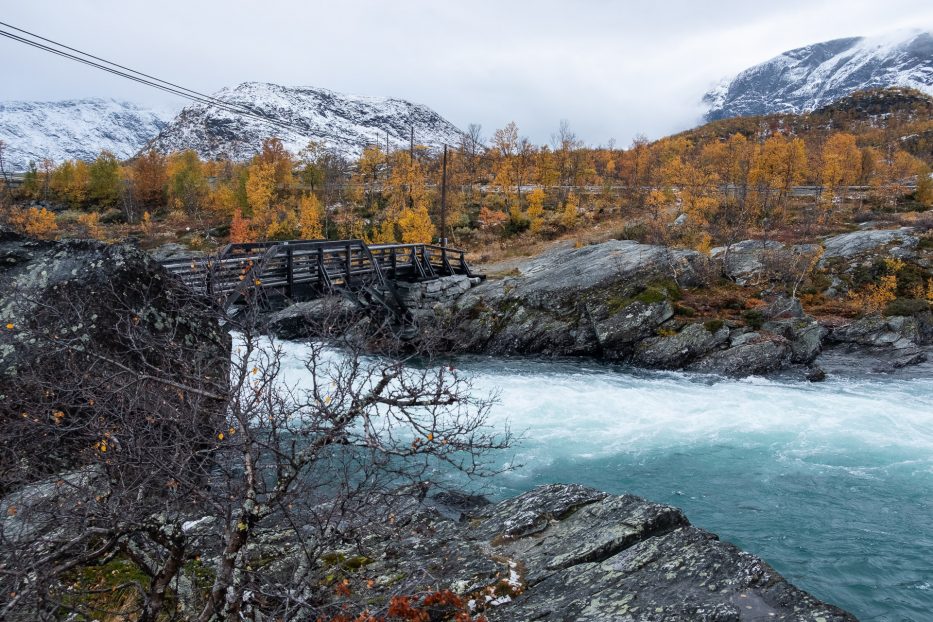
612,69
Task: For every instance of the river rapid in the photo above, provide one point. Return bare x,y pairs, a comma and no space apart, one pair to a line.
831,483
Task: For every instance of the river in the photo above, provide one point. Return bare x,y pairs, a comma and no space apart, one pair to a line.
831,483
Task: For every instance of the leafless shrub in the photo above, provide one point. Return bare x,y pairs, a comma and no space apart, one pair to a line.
216,496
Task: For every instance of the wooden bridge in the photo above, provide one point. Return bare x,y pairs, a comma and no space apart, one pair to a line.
302,269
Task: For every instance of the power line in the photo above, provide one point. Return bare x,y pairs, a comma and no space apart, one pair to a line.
109,62
141,77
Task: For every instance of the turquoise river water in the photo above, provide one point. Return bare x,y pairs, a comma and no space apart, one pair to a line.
831,483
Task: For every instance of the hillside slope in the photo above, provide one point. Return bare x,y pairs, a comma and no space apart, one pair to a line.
74,129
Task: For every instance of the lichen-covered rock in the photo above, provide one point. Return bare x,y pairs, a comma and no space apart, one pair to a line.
569,552
898,332
426,294
618,333
302,319
684,574
35,508
855,243
173,250
745,261
597,300
805,336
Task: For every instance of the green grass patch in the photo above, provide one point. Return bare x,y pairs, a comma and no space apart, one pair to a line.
651,293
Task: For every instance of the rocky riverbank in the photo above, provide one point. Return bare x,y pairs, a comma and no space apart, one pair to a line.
558,552
621,301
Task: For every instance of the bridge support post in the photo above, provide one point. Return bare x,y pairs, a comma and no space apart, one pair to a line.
289,273
348,260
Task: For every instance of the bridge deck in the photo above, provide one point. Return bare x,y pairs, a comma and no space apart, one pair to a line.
301,269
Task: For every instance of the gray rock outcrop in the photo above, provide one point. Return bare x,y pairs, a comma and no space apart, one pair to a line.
676,351
762,356
856,243
746,260
878,331
596,300
569,552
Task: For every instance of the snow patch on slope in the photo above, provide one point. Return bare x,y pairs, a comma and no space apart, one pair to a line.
75,129
810,77
343,123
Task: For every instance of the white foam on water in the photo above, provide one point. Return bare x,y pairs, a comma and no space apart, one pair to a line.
604,413
582,411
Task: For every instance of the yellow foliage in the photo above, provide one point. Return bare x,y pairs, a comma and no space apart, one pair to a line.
704,243
416,226
283,225
70,181
260,187
90,222
536,209
842,162
569,217
309,217
876,296
35,221
223,200
385,234
146,224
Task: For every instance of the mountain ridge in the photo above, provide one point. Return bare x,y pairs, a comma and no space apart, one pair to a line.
813,76
75,129
344,123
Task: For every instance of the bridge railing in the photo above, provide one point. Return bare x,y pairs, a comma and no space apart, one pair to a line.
288,267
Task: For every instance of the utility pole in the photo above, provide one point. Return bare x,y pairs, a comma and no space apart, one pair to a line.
411,165
444,200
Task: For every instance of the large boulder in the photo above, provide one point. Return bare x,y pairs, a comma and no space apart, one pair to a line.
746,261
889,343
763,355
597,300
805,336
755,261
898,332
95,339
676,351
849,245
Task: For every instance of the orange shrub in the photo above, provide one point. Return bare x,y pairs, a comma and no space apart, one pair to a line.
489,218
239,228
35,221
90,222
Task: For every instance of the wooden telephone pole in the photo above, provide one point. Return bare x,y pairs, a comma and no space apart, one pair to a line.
444,200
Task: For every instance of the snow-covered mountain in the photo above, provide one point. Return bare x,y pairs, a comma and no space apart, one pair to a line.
807,78
344,123
70,129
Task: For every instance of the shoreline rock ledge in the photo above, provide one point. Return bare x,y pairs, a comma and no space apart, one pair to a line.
573,553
